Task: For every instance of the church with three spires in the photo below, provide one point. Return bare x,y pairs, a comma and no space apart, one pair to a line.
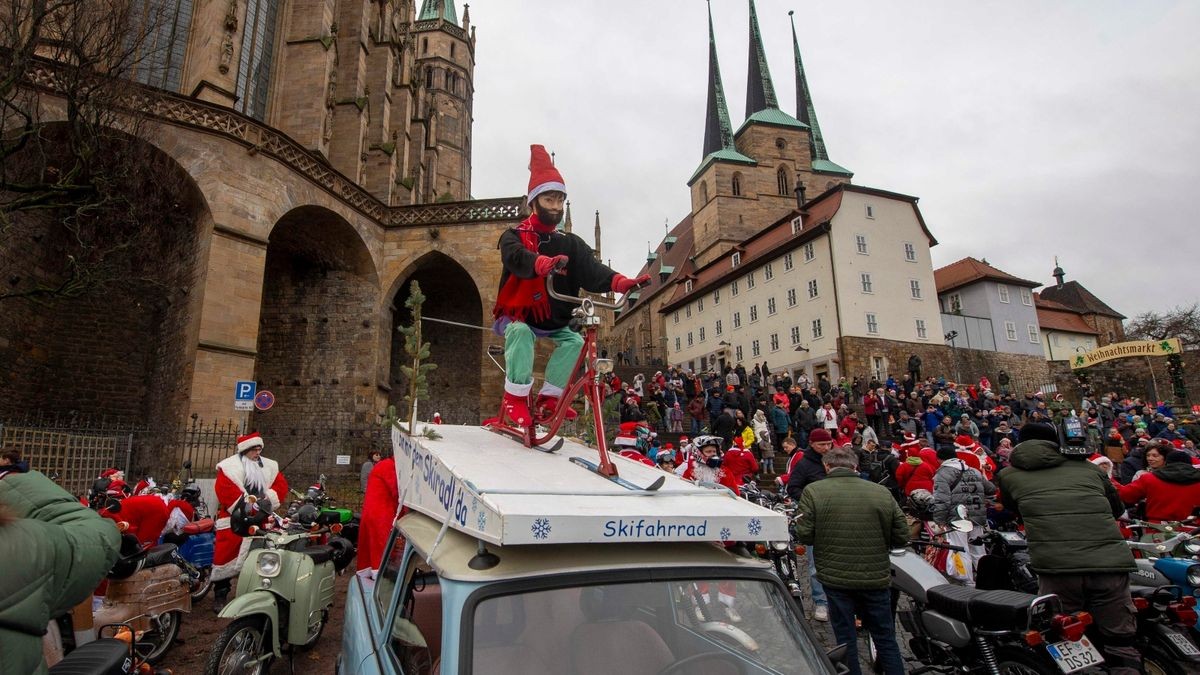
781,258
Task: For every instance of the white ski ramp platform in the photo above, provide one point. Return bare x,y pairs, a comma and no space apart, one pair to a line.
493,488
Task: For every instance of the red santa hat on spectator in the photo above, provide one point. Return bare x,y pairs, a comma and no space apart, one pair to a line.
543,176
964,442
249,441
115,474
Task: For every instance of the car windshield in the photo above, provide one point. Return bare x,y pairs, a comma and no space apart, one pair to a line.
713,626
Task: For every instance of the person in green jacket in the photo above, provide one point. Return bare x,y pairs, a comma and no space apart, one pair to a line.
53,551
852,525
1070,508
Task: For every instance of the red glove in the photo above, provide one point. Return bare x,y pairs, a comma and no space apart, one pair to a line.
545,264
623,284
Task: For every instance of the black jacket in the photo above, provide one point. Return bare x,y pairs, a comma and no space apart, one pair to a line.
724,426
807,471
583,270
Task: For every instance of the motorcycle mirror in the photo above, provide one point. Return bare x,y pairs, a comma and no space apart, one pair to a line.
961,510
962,525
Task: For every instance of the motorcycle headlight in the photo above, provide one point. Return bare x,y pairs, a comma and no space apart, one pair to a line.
1193,576
268,564
779,545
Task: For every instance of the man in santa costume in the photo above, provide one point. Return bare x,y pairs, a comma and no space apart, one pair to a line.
534,253
244,473
380,502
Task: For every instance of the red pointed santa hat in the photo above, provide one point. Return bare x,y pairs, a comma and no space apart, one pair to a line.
250,440
964,442
543,176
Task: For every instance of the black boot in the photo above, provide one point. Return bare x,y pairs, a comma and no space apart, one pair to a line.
220,594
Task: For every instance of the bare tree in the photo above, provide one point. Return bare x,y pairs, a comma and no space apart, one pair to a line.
71,156
1180,322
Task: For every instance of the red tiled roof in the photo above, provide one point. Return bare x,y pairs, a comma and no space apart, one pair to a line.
1057,316
969,270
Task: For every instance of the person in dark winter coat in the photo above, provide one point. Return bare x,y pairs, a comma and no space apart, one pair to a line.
725,426
808,470
1171,491
1070,510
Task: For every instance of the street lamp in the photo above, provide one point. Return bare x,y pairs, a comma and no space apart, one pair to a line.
954,353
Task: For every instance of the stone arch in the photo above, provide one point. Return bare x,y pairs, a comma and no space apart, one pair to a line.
122,346
451,293
316,325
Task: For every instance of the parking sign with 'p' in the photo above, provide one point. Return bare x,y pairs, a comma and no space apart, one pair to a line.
243,394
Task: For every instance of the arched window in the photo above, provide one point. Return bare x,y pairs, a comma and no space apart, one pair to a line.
258,47
703,192
428,77
782,182
424,45
737,185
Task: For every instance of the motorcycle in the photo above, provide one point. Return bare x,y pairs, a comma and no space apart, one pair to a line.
316,495
285,589
196,540
783,555
1165,616
1005,563
106,655
954,629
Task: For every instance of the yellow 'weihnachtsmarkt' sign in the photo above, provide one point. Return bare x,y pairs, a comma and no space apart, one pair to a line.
1122,350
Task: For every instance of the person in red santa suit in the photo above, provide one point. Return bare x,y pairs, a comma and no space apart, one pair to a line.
737,463
964,449
145,515
245,473
378,514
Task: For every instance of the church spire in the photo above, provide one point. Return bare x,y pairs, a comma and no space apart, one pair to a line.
805,112
718,133
438,9
597,234
567,219
760,92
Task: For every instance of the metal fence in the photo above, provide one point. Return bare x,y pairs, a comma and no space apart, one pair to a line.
79,449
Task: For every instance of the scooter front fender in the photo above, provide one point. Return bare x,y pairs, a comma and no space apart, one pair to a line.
257,602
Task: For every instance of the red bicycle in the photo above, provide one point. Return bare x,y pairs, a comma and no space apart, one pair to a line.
588,377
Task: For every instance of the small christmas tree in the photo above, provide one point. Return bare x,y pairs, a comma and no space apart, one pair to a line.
417,351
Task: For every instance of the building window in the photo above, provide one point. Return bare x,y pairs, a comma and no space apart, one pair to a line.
737,258
866,282
870,211
782,182
428,78
791,297
689,338
1034,337
737,185
788,262
676,316
699,305
877,366
1010,330
425,45
739,353
165,44
816,329
914,287
770,306
702,333
809,252
797,224
258,48
795,335
687,286
1003,292
812,289
703,192
733,288
954,303
769,272
1026,297
718,327
737,320
910,252
872,324
754,350
753,313
921,329
688,311
750,281
717,297
774,342
860,243
677,345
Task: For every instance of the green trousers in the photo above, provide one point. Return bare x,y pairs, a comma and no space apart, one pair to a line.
518,359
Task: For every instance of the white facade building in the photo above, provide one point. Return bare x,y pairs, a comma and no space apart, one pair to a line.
855,264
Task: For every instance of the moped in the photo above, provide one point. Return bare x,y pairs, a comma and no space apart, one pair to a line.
285,589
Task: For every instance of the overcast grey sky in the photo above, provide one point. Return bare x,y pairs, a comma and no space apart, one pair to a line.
1028,129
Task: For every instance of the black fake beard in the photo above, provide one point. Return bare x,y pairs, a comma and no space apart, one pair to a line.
546,216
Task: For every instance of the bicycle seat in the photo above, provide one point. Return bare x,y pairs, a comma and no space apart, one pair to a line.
161,555
106,656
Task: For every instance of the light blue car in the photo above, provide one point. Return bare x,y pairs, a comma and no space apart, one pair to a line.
574,609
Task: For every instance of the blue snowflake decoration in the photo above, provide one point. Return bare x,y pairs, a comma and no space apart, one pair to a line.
474,504
725,534
481,520
755,526
541,528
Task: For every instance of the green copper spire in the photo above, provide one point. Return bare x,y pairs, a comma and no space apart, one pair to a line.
718,132
760,93
807,113
434,9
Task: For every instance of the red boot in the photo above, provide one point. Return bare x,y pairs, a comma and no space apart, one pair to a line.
516,408
547,405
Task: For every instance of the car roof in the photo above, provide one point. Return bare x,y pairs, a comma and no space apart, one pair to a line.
452,555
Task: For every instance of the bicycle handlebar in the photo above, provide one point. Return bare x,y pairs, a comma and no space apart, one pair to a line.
579,301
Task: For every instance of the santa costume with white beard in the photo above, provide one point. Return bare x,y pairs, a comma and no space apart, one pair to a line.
245,473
